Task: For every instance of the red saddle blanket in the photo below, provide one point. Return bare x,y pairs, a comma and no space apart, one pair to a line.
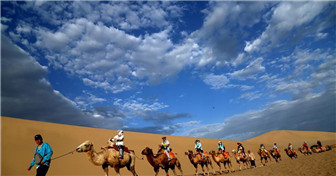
172,155
125,149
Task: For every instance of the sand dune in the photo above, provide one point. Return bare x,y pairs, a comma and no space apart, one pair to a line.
17,147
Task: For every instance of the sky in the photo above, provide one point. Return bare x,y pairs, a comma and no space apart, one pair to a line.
227,70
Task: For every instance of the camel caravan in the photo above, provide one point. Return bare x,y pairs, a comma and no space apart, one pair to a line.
117,156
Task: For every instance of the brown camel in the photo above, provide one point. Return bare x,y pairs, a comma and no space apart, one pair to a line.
291,154
197,159
263,156
241,159
108,157
276,154
220,158
316,149
305,151
161,161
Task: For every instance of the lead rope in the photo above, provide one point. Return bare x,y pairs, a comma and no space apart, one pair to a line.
71,152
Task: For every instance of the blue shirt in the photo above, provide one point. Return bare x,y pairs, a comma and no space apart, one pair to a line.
221,146
198,145
46,152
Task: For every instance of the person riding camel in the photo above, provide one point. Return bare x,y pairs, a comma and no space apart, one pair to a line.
319,144
275,147
221,147
241,149
262,147
305,145
198,148
290,147
165,145
119,139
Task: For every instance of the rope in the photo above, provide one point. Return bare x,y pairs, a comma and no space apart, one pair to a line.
71,152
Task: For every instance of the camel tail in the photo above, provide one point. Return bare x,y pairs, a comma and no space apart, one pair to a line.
132,152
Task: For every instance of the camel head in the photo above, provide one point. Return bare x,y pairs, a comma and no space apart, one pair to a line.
212,152
189,152
84,147
147,151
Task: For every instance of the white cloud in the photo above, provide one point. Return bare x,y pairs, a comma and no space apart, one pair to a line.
139,107
216,81
286,17
250,70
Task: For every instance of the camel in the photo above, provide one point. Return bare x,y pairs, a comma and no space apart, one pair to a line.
305,151
220,158
241,159
316,149
196,159
108,157
291,154
263,156
161,161
275,154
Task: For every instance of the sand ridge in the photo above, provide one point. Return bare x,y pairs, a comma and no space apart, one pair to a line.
17,148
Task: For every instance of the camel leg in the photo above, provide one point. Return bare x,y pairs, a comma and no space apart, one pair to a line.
211,166
195,165
220,167
174,172
156,170
202,166
132,169
117,170
178,165
105,168
166,170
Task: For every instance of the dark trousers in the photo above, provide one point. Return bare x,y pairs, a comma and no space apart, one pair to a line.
253,163
42,170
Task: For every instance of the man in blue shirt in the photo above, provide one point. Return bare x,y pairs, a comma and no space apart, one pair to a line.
42,156
198,147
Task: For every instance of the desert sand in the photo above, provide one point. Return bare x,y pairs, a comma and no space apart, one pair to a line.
17,147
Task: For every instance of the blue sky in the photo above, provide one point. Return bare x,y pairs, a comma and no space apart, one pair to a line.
229,70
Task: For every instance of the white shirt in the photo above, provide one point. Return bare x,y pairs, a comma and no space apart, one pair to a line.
119,140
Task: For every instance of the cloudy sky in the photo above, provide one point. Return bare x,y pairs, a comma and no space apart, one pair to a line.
229,70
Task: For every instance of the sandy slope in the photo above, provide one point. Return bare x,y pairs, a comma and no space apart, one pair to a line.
17,146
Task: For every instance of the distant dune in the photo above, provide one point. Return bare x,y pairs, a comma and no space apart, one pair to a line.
17,146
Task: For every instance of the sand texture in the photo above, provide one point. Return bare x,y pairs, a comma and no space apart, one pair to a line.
17,147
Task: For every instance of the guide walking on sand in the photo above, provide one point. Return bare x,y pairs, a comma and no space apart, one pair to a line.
42,156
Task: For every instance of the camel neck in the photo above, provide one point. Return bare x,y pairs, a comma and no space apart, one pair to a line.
191,158
92,154
150,159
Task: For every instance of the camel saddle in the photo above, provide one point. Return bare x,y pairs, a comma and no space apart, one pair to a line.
205,154
172,155
225,154
125,149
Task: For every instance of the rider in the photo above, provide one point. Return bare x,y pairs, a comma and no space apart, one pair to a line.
221,147
240,148
165,145
275,147
262,147
319,144
198,147
305,145
119,138
290,147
